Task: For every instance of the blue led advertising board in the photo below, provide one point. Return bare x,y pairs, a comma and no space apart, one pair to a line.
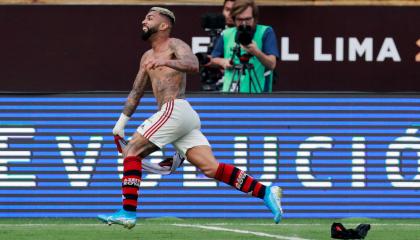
334,155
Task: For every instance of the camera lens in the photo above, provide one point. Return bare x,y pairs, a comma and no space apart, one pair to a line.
244,35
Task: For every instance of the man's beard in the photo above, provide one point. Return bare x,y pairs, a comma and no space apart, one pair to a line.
146,35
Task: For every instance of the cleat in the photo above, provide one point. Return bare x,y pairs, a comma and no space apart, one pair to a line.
272,200
121,217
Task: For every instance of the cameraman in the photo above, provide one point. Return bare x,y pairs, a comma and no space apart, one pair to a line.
212,75
262,52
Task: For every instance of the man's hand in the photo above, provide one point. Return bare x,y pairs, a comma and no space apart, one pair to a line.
251,48
155,63
269,61
226,64
209,63
120,125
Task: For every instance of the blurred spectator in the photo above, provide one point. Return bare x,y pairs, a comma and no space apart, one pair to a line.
227,7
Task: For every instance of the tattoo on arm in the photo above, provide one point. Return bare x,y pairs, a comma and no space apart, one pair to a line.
185,60
137,91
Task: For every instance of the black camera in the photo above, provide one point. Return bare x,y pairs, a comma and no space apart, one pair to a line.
213,24
244,35
203,58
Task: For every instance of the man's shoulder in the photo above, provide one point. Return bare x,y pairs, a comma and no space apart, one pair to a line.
265,27
147,54
266,30
228,30
176,41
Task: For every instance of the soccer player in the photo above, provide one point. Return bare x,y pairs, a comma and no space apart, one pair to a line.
165,65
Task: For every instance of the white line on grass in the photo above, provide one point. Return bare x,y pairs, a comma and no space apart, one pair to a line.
204,224
49,224
261,234
265,224
307,224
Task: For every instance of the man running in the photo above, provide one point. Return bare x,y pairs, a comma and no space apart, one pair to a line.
165,65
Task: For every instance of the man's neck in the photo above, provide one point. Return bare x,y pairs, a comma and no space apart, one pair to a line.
159,43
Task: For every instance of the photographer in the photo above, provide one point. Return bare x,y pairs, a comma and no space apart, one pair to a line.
248,52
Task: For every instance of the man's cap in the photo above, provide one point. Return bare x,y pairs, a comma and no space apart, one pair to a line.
164,11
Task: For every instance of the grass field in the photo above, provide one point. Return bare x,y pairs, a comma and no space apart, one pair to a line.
200,229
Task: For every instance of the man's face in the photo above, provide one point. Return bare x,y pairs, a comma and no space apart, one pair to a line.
150,25
245,18
226,12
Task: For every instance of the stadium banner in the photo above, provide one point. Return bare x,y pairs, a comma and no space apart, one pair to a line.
98,47
334,155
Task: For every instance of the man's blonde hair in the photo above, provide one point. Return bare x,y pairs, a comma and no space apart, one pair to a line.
164,11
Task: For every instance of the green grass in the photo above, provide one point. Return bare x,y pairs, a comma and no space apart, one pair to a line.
174,229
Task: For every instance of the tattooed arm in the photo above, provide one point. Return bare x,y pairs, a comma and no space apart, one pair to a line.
137,91
185,60
133,99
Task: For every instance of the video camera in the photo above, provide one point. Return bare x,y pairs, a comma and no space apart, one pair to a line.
244,35
213,24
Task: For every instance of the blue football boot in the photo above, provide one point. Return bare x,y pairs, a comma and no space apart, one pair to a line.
272,200
121,217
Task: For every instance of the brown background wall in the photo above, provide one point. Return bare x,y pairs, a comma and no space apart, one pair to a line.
219,2
97,47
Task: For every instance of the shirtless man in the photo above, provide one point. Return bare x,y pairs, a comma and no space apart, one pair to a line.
165,65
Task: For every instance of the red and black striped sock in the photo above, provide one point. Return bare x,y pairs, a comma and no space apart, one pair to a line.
238,179
131,182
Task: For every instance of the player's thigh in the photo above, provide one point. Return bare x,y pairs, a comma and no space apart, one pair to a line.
139,146
168,125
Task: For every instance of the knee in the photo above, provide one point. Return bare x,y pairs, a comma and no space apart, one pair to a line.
127,152
132,150
139,147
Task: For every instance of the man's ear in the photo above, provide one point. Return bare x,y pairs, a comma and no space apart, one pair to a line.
163,26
